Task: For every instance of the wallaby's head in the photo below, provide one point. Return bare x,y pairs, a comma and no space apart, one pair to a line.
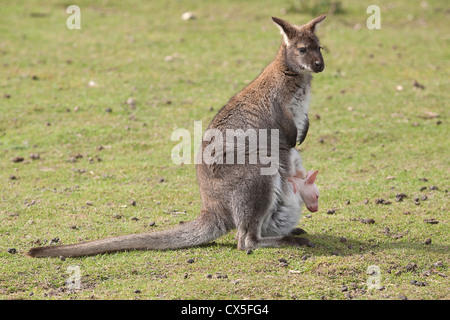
302,45
309,191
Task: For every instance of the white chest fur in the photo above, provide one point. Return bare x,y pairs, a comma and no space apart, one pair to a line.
299,105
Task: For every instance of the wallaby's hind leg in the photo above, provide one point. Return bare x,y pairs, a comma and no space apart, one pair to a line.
250,240
249,237
268,219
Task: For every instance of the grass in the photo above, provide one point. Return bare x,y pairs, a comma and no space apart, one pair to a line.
372,136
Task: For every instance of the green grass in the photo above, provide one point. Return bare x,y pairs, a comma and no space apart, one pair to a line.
368,139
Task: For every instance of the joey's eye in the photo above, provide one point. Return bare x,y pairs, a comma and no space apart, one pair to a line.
302,50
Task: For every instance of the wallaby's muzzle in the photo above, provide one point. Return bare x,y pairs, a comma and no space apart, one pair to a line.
318,66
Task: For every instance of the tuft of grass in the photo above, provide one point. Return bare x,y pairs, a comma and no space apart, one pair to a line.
315,7
379,128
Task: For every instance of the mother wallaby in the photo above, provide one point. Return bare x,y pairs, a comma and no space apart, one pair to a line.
260,204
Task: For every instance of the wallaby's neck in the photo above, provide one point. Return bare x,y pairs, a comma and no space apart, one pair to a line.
279,83
286,73
281,64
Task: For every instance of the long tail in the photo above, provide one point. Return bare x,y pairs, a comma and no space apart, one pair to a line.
188,234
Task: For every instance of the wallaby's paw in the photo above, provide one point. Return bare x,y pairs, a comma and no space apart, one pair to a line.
294,185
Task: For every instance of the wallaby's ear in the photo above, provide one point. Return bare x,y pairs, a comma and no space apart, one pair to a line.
287,30
314,23
311,177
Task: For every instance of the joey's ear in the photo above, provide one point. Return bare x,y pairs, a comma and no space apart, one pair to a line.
311,177
287,30
314,23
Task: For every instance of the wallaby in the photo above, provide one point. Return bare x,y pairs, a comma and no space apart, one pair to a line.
306,188
263,208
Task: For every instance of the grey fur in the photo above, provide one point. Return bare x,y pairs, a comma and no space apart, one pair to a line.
262,208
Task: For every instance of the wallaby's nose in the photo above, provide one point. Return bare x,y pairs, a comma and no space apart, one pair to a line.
318,66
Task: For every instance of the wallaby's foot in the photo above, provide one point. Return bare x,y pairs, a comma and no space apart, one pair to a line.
273,242
297,241
297,231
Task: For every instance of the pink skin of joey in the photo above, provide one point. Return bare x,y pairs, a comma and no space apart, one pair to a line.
307,189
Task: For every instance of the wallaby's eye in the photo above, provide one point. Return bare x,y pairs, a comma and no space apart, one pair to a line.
302,50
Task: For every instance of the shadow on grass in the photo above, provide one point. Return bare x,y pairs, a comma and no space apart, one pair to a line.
327,245
332,245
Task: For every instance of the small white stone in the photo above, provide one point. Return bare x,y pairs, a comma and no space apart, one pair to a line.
188,16
131,102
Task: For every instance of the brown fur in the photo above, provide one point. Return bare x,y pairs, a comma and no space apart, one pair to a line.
238,195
